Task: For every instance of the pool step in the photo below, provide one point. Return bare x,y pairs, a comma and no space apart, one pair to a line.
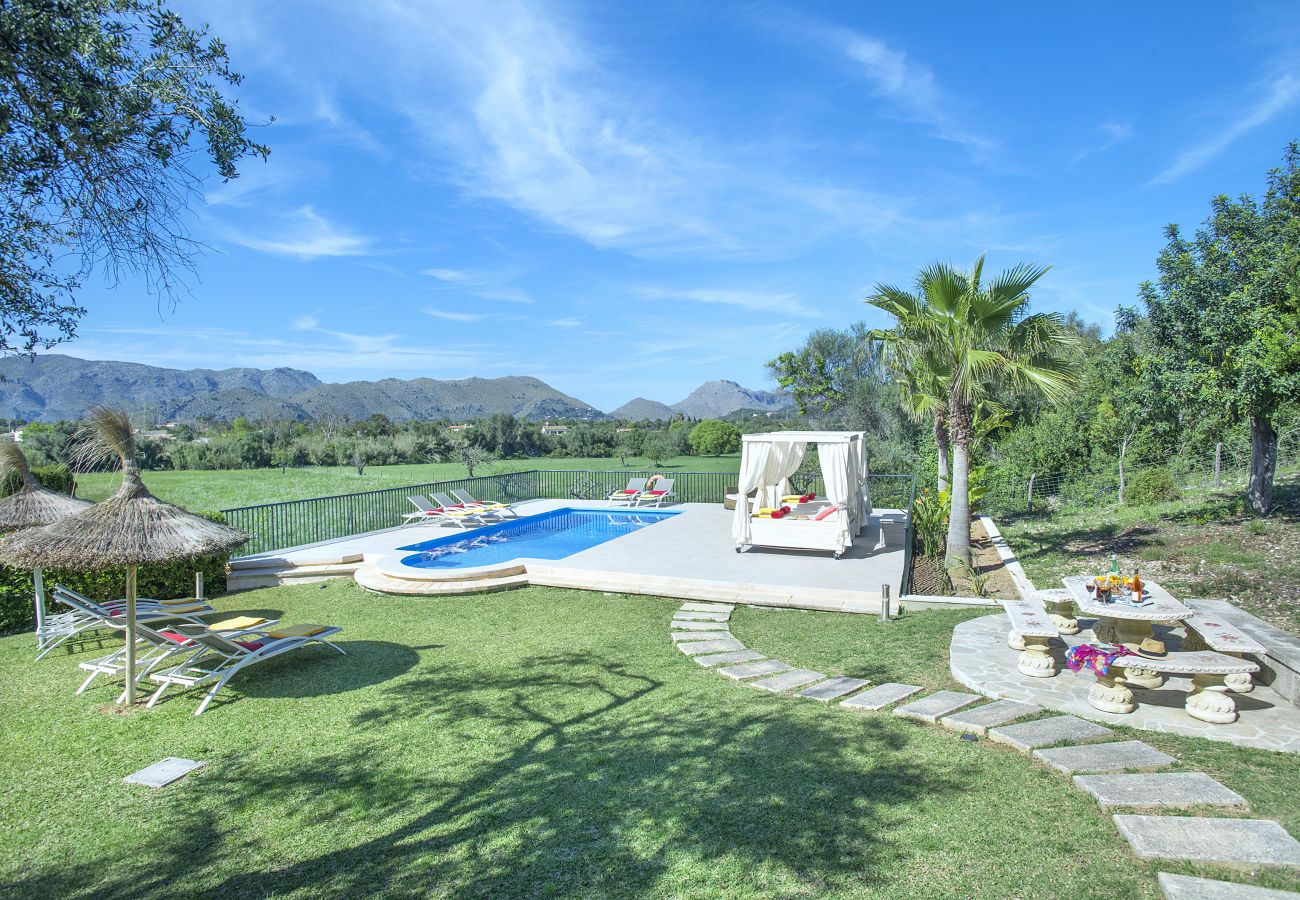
372,579
243,579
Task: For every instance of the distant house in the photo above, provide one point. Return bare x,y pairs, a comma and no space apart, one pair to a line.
461,427
548,428
158,435
16,435
623,430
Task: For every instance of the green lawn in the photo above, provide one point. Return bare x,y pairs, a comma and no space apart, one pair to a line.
228,488
1203,546
536,743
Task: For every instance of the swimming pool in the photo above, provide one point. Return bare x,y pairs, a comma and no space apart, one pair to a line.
550,535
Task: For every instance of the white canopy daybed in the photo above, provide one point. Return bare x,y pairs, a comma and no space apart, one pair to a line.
766,463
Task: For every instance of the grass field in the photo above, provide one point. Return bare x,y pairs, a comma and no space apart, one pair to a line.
1204,546
229,488
533,743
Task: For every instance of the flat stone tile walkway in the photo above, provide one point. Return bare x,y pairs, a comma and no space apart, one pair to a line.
882,695
980,659
756,669
690,648
701,635
709,660
1028,736
687,625
1115,757
1228,841
1185,887
787,681
1166,790
990,715
940,703
833,688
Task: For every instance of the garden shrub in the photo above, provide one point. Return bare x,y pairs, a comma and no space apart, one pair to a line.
56,478
160,581
1153,485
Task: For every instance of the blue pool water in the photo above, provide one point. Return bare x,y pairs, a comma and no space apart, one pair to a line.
550,535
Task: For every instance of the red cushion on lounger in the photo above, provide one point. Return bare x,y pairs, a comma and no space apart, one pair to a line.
628,491
173,636
433,512
250,645
656,493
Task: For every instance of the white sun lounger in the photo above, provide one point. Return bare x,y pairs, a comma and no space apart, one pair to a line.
219,658
488,506
86,615
438,514
628,494
463,512
662,490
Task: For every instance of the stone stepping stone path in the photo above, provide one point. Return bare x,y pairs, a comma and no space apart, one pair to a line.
834,688
787,681
1167,790
687,625
1226,841
1185,887
882,695
690,648
929,709
700,630
982,718
756,669
1044,732
1114,757
702,635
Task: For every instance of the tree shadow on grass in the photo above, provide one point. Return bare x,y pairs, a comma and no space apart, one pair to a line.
579,776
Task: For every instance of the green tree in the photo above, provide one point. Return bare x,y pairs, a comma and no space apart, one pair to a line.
713,437
659,447
1225,315
105,105
976,334
630,444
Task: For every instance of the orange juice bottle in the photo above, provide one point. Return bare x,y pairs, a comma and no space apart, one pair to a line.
1137,587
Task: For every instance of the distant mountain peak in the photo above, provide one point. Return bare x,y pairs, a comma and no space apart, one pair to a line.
715,399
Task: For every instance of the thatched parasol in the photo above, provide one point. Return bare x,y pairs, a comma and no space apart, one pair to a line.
32,506
129,529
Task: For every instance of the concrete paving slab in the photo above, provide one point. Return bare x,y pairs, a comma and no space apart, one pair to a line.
755,669
982,718
1185,887
787,681
690,648
1167,790
1114,757
163,772
940,703
834,687
707,607
1044,732
721,659
701,616
1246,842
882,695
687,625
701,635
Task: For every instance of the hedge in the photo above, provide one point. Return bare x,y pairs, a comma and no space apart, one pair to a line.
56,478
164,580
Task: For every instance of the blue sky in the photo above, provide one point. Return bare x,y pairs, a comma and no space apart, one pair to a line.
629,199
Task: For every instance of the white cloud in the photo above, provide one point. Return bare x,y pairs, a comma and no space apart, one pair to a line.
1279,94
455,316
570,322
306,235
487,285
446,275
1112,134
754,301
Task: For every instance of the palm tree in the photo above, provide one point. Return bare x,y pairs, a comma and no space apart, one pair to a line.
971,334
922,384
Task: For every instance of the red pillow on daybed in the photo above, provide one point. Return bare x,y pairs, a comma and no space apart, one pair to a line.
825,512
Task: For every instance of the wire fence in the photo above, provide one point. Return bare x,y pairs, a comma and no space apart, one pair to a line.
1225,468
278,526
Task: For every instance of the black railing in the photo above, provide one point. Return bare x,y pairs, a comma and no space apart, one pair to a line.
277,526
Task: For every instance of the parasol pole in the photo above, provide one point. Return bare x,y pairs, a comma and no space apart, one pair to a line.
130,635
38,582
198,585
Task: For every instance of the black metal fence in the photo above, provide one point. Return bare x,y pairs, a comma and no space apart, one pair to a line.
276,526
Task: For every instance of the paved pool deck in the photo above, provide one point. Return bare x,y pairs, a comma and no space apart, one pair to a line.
689,555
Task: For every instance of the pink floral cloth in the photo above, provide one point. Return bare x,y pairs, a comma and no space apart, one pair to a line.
1097,658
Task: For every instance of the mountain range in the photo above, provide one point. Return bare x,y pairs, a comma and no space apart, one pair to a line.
53,386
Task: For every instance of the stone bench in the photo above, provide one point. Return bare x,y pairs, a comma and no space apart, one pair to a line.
1280,664
1217,633
1061,604
1032,631
1209,699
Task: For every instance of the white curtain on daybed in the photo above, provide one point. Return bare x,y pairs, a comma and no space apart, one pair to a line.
765,466
837,462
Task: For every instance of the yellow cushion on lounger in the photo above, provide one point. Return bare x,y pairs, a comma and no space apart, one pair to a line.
297,631
192,608
238,623
179,601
